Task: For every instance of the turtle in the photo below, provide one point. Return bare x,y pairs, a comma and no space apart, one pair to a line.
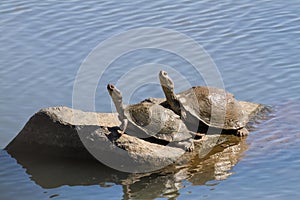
195,107
147,119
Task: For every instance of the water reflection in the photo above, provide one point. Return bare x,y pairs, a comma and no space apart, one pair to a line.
53,172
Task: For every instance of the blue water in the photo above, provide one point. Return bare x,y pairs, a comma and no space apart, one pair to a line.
255,46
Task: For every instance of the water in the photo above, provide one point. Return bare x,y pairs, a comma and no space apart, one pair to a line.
255,46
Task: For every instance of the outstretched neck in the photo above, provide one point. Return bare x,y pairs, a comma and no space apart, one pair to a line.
119,106
172,99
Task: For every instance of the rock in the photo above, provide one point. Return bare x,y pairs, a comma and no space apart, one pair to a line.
66,132
62,131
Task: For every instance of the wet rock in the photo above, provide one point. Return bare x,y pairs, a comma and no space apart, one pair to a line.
52,172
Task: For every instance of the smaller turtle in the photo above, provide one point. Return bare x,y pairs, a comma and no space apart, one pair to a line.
147,119
205,107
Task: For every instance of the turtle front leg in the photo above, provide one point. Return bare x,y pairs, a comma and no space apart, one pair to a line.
187,145
242,132
123,126
190,147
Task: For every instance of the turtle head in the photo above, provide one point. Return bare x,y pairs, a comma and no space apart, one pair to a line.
114,92
168,88
165,80
116,97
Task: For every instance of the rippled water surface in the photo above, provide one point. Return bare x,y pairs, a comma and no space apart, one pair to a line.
255,46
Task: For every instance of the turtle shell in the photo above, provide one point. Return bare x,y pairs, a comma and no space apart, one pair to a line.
214,107
147,119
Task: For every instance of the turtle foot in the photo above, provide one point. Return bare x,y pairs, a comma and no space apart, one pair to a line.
186,145
242,132
190,147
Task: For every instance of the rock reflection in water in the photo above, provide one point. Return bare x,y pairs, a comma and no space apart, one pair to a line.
216,165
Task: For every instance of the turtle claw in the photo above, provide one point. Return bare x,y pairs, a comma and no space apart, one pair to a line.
189,148
186,145
242,132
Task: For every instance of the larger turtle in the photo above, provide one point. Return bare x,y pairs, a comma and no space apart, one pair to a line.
148,119
203,106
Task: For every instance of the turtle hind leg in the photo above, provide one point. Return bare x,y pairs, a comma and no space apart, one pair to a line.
242,132
198,136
